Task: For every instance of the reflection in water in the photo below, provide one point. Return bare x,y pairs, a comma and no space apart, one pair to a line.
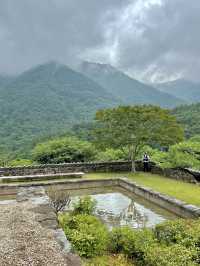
116,209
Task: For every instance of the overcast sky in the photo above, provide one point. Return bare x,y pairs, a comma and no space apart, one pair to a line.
149,39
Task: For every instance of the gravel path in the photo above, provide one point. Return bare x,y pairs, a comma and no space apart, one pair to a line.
23,241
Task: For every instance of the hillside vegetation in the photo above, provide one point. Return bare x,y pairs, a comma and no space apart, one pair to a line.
52,100
186,90
189,117
47,100
129,90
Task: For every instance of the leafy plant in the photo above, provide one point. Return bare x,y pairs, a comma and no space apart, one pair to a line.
20,162
85,205
132,243
174,255
109,260
111,155
122,240
63,150
87,234
171,232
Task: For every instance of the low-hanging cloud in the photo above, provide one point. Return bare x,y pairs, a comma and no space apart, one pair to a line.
150,39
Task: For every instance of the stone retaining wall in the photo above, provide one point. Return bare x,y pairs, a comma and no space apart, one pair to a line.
66,168
178,207
11,189
186,175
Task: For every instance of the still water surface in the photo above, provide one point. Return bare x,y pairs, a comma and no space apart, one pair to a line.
119,208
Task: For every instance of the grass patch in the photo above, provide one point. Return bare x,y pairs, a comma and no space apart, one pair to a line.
189,193
108,260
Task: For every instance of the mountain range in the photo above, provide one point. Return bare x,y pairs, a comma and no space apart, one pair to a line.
185,90
127,89
49,99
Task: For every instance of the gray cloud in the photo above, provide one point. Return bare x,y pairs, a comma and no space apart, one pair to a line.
150,39
162,40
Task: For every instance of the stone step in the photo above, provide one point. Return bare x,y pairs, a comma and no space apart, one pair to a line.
30,178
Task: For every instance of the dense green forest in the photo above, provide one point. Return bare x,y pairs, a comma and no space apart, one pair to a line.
52,100
189,117
46,101
145,129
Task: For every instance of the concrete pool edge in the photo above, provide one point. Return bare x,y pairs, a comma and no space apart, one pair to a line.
171,204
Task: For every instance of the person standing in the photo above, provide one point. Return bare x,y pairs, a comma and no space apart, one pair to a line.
146,160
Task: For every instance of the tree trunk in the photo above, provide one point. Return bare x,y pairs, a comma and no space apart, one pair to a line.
133,166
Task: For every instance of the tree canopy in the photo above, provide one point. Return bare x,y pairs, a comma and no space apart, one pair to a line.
132,127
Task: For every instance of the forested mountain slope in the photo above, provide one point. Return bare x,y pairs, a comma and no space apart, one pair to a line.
47,100
183,89
129,90
189,116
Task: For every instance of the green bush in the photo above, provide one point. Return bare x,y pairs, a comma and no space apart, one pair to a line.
90,241
63,150
193,234
122,240
171,232
132,243
174,255
89,237
184,155
143,240
20,162
172,243
180,232
76,221
158,247
85,205
111,155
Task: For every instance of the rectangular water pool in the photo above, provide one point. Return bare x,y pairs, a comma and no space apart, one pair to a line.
117,207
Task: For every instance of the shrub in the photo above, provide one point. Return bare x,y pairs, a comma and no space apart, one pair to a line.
171,232
184,155
143,240
132,243
76,221
90,241
63,150
89,237
109,260
20,162
111,155
182,232
85,205
122,240
174,255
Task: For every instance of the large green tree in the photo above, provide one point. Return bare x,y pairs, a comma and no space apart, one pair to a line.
131,127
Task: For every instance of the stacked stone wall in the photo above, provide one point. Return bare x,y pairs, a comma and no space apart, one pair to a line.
186,175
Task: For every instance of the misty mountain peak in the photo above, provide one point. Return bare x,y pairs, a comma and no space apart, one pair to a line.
95,67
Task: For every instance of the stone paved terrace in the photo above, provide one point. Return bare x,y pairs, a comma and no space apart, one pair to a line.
29,234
